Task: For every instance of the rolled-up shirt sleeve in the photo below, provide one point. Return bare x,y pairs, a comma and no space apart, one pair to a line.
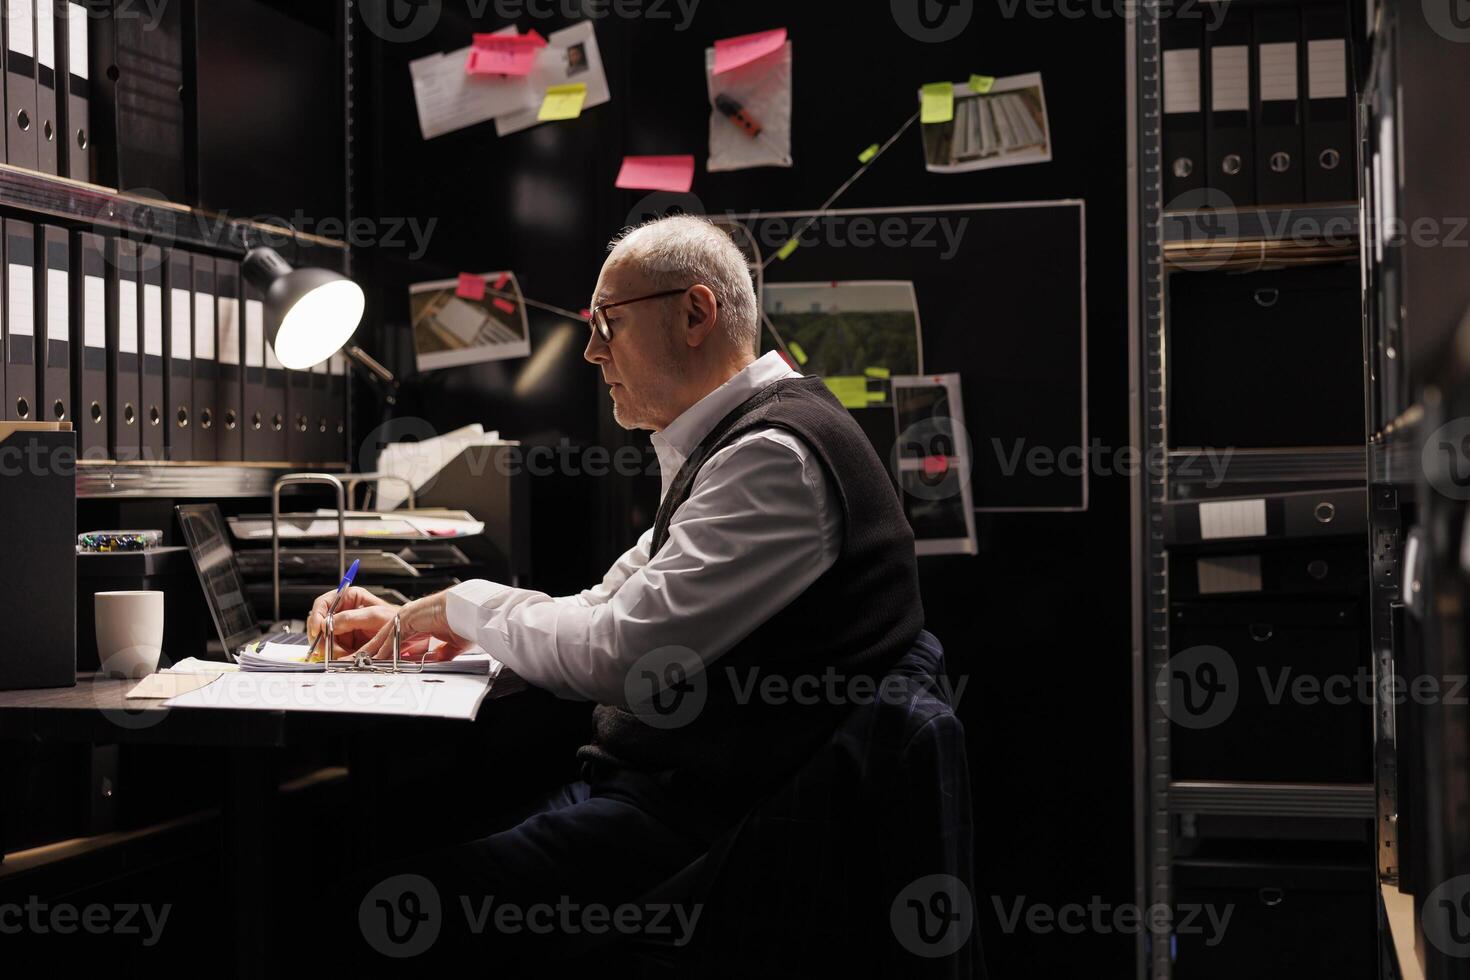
760,525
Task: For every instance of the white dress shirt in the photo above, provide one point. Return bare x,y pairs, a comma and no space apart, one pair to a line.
760,524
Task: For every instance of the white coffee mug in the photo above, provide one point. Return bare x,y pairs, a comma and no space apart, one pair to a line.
129,632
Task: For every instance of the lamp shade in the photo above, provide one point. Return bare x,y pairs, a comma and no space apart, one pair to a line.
311,313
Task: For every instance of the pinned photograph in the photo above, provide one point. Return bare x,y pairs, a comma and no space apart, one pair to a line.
450,330
1005,127
932,460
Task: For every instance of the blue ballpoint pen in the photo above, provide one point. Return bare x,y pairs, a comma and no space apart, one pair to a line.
341,590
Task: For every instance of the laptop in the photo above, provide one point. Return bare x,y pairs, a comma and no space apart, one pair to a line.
219,573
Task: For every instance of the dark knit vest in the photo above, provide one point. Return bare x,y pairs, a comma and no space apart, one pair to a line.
842,633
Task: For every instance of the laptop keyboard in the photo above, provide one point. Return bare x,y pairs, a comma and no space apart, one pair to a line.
289,639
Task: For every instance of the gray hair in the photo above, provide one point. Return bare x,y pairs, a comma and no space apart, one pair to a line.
683,250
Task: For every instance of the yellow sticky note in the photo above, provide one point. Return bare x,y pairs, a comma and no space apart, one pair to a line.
980,84
563,102
850,390
938,103
878,372
797,352
868,154
787,249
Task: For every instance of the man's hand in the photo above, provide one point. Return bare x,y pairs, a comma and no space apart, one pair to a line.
359,617
421,619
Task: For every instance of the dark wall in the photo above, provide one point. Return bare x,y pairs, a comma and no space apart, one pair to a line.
1038,624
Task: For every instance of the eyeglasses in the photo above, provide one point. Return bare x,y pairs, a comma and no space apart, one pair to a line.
598,319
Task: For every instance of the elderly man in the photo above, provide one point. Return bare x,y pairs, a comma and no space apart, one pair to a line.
780,549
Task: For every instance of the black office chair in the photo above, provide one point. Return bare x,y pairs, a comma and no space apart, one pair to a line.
860,865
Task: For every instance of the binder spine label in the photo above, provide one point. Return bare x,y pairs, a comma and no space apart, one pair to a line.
1278,72
58,309
127,317
18,12
1230,89
22,301
46,36
1181,81
204,326
254,335
1327,69
181,325
229,330
76,22
153,320
94,312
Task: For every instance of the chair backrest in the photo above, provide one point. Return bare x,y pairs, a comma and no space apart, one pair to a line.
820,877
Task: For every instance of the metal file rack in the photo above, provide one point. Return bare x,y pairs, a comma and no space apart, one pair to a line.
1160,242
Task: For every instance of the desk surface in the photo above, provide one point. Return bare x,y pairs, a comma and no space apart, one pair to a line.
97,710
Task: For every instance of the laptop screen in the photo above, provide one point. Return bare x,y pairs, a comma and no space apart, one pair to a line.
214,559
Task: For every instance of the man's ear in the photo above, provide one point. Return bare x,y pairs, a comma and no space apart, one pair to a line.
703,312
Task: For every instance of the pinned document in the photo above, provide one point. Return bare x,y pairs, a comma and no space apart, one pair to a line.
563,102
657,173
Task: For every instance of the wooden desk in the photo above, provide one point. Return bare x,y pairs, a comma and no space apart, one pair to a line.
97,712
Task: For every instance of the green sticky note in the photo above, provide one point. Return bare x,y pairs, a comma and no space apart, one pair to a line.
787,249
938,103
868,154
850,390
563,102
797,352
980,84
878,372
877,396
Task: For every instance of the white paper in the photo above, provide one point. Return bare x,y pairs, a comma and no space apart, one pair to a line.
181,327
1181,80
763,87
94,313
19,27
204,328
553,68
1278,71
254,335
229,330
45,34
58,305
1327,69
449,98
410,695
1019,136
22,301
1230,80
153,320
419,462
76,22
1232,519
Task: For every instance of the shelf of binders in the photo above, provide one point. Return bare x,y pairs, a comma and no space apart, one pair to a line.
1256,238
1342,800
1195,473
186,481
92,207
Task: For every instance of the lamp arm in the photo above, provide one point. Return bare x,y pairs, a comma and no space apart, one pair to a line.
366,363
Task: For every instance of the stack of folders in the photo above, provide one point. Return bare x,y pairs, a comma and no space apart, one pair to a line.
48,87
987,125
1258,104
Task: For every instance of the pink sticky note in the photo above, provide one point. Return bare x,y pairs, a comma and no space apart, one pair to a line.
936,465
503,54
657,174
504,305
733,52
501,280
535,38
470,287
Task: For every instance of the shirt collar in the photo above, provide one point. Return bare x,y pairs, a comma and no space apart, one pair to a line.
679,437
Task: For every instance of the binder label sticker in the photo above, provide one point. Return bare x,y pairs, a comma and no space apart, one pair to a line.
1232,519
1181,80
1230,78
127,317
229,330
76,23
204,326
58,306
153,320
1278,72
1327,69
254,335
272,362
45,34
1229,573
18,12
22,301
94,312
180,325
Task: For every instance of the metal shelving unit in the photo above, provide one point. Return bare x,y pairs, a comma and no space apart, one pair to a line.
185,481
1194,470
1256,238
1272,799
